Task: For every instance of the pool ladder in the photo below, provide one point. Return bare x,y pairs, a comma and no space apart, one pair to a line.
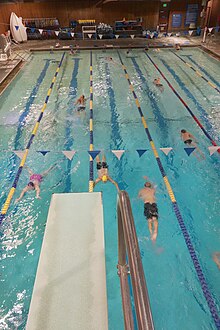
128,245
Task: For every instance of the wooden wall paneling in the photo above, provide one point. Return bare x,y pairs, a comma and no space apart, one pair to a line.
66,10
5,12
180,7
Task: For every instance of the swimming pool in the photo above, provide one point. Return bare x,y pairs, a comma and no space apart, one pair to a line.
175,292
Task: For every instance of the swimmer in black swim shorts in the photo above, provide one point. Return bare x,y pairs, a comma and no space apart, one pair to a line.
81,101
147,194
190,140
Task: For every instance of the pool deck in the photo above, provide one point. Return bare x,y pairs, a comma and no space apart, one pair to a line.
212,44
7,67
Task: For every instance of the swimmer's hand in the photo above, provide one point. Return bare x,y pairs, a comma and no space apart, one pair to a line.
17,200
145,177
38,197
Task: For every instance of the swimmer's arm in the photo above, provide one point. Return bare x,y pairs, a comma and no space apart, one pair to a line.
114,183
21,195
96,181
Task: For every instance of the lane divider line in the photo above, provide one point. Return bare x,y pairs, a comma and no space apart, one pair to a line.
201,277
91,145
198,73
184,103
34,132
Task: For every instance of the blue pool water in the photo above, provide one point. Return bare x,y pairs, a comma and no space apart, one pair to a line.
176,296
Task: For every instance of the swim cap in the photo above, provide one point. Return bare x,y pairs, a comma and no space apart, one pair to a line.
104,178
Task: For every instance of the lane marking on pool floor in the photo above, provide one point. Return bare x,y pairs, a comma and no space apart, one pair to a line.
197,72
34,132
201,277
184,103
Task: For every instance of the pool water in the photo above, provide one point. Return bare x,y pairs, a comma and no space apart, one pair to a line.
175,293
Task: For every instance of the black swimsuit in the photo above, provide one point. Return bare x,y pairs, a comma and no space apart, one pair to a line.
189,141
150,210
81,107
101,165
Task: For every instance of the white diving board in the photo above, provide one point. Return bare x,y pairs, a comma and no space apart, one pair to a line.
70,286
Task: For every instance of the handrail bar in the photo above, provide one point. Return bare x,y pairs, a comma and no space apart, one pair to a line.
127,241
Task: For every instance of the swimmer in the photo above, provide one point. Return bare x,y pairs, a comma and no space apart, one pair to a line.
158,83
73,52
191,141
102,169
147,194
110,59
34,183
81,101
177,46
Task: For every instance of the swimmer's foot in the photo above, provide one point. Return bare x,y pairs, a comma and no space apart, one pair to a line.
153,237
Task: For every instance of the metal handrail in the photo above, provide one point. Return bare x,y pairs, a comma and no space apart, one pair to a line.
128,245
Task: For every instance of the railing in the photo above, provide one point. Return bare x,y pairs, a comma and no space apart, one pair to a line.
128,245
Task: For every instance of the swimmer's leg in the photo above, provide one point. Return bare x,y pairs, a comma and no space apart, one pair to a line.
49,169
103,158
98,159
197,153
29,170
150,226
155,223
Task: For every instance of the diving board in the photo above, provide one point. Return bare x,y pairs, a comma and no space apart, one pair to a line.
70,285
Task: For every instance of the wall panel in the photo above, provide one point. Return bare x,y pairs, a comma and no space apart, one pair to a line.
66,10
85,9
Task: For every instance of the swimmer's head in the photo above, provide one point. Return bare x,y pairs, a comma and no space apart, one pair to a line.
183,131
31,185
147,185
104,178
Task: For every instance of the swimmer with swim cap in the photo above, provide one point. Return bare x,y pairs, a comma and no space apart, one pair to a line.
104,178
102,168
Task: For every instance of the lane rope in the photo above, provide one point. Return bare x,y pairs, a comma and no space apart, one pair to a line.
198,73
34,132
91,146
184,103
201,277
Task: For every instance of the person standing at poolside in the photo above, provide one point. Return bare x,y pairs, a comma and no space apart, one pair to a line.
102,168
34,183
147,194
191,141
